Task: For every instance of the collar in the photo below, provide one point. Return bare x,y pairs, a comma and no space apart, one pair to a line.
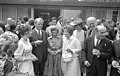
71,38
37,30
95,38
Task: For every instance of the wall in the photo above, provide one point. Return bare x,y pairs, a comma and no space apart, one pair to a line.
67,14
13,12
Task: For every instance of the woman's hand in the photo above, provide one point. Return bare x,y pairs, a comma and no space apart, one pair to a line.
58,51
51,52
69,51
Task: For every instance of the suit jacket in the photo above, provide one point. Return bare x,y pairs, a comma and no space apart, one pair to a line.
105,48
90,33
116,50
40,51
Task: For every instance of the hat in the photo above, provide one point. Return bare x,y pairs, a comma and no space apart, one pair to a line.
76,21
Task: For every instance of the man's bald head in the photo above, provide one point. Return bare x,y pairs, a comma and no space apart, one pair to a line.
101,31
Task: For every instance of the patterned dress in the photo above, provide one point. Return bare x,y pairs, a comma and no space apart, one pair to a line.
24,55
53,64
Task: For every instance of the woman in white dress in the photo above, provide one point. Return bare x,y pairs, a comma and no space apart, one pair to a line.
24,54
71,48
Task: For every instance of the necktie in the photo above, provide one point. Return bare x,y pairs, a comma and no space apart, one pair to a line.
39,32
97,43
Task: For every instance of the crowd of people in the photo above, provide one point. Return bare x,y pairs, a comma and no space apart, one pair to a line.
69,47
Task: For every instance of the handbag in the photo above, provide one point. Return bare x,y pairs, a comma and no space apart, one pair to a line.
67,57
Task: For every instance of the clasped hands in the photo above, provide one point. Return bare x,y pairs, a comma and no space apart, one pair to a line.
54,52
96,52
115,64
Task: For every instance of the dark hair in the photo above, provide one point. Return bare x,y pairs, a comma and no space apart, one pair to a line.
25,18
25,28
12,27
53,18
59,17
2,25
54,29
31,22
69,29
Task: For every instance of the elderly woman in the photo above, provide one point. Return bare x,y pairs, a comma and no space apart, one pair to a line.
71,48
52,24
53,64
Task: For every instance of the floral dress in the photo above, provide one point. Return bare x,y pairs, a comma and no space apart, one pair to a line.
53,64
25,57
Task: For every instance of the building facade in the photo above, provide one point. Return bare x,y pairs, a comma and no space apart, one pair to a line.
66,8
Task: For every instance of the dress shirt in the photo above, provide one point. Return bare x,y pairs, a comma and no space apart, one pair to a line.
117,35
96,41
38,31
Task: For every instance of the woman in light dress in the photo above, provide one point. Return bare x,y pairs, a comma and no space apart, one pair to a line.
24,54
71,48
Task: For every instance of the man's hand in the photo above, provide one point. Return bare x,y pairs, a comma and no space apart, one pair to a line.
38,42
96,52
86,63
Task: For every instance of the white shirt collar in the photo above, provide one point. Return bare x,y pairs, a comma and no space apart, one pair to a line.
38,31
95,41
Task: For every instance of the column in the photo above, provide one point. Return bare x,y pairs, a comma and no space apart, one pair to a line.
32,12
0,13
109,14
118,18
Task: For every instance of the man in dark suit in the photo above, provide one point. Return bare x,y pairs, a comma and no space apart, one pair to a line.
39,41
115,65
96,52
91,23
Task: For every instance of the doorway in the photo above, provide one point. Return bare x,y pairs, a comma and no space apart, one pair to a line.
46,14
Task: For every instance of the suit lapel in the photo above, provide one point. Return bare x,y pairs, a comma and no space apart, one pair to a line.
117,47
37,35
102,43
43,35
92,42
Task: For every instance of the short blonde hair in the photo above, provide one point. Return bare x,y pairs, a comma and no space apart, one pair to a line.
39,20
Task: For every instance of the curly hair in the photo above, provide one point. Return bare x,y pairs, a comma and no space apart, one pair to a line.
25,28
54,29
69,29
